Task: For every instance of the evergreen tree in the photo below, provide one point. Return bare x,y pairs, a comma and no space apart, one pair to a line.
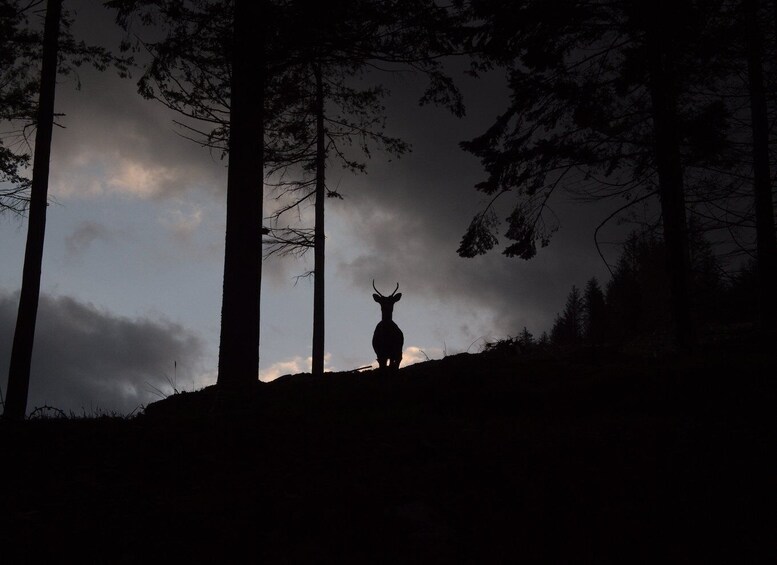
59,53
766,241
594,312
24,334
568,327
739,298
637,293
525,339
212,60
557,332
706,283
239,341
573,315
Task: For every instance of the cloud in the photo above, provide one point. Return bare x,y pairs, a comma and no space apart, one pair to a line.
409,235
183,221
413,354
403,221
87,359
292,366
116,143
84,235
296,365
143,180
100,172
286,367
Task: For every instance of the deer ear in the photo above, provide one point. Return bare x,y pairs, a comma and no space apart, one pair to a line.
376,297
397,297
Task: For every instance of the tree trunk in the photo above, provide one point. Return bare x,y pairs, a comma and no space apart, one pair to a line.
239,345
662,87
24,335
319,240
764,207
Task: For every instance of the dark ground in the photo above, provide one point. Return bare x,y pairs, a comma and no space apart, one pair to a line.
578,458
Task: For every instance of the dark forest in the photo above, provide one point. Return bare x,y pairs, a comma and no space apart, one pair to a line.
634,429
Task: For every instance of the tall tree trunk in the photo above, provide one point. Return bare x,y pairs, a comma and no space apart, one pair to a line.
762,185
319,239
663,86
239,345
24,335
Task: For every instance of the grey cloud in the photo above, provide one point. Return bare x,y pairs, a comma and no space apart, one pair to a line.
86,359
402,245
116,141
84,235
410,215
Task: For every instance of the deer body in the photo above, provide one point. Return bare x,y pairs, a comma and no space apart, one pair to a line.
387,341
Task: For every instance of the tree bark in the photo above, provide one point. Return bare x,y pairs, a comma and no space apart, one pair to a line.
766,242
24,334
320,237
239,344
663,86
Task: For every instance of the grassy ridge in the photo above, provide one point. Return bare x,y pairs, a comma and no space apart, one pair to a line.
578,457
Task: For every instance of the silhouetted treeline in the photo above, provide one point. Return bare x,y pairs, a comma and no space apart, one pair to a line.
634,302
633,306
668,102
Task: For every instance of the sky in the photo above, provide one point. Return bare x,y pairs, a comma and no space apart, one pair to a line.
133,259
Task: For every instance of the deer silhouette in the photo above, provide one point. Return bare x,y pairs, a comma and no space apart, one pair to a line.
387,340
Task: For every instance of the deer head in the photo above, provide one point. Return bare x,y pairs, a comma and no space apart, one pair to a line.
386,302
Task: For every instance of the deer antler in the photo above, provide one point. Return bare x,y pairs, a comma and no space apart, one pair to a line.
376,290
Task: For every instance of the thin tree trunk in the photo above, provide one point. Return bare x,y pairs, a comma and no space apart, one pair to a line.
24,335
239,345
319,241
670,172
766,243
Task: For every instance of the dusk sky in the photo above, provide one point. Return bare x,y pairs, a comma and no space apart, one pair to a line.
133,260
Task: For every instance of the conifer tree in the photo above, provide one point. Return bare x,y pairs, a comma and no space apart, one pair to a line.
24,334
766,240
525,339
568,327
58,53
594,312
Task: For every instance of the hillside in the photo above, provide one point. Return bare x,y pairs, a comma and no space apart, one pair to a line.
582,457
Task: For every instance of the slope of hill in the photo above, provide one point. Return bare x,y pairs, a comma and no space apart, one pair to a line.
580,457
